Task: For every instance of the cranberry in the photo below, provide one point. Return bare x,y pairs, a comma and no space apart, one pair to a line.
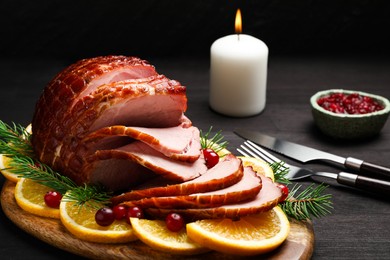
53,199
174,222
284,190
135,212
211,157
120,212
104,216
349,103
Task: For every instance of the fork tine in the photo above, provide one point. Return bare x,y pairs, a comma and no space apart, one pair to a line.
262,151
247,152
242,152
256,153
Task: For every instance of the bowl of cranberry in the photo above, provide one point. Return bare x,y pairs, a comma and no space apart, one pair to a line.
348,114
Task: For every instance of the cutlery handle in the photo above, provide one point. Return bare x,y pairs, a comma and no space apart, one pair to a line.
367,168
364,183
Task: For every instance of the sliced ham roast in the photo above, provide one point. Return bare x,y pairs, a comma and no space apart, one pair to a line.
178,142
246,189
266,199
142,154
96,93
115,121
226,173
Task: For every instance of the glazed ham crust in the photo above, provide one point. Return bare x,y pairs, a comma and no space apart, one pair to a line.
96,93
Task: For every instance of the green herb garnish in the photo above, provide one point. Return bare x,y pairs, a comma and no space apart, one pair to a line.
15,143
216,142
309,203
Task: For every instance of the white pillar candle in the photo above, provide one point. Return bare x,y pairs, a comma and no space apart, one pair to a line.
238,75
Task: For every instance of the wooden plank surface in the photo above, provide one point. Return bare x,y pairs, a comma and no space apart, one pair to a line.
299,244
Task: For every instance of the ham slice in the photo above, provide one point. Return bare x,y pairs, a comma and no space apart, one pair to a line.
224,174
246,189
175,142
266,199
142,154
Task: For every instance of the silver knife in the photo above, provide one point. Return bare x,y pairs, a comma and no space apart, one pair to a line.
306,154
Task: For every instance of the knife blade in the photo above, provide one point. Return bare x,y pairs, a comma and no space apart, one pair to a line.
306,154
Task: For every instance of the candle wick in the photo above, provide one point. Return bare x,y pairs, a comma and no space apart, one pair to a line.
238,36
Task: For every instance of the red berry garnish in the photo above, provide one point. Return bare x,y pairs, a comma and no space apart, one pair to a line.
120,212
284,190
211,157
349,103
104,216
174,222
53,199
135,212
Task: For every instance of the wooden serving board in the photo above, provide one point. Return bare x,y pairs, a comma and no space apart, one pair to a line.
299,243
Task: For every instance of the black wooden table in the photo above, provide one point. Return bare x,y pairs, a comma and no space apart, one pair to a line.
359,225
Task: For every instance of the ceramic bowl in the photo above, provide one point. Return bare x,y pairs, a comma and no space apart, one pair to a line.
349,126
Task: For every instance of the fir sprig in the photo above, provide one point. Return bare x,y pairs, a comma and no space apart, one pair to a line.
14,139
15,143
311,202
90,196
280,172
216,142
26,167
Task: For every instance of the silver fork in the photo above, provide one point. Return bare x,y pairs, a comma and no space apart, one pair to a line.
251,149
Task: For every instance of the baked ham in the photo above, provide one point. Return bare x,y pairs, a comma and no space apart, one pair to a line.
115,121
101,92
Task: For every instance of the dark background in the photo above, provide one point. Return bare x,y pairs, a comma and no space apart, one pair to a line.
176,28
314,45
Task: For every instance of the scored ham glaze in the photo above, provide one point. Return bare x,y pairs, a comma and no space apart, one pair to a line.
102,92
115,121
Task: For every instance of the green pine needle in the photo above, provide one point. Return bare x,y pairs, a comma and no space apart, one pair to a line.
309,203
90,196
14,140
15,143
280,172
216,142
26,167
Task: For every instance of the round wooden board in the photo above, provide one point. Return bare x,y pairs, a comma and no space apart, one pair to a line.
299,244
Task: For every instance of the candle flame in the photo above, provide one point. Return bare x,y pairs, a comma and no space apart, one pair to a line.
238,22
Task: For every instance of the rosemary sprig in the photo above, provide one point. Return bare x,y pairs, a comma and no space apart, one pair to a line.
311,202
216,142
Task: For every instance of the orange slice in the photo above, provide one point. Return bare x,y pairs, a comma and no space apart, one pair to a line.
258,165
4,165
29,196
251,235
80,221
155,234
